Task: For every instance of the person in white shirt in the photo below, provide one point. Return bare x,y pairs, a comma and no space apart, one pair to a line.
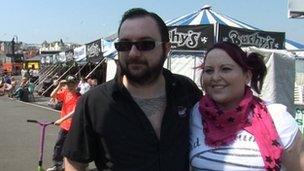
230,128
83,86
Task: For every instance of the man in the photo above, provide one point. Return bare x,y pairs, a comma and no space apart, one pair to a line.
83,85
140,120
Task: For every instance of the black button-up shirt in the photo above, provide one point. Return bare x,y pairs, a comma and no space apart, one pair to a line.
108,119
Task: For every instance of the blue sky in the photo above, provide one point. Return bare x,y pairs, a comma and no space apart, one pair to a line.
82,21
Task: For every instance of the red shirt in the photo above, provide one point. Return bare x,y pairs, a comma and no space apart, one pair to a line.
69,103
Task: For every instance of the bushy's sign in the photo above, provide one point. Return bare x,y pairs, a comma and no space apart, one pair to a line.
191,38
244,37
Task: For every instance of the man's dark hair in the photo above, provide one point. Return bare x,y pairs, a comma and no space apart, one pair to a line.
139,12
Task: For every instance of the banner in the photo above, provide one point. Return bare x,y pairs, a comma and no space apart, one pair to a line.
48,59
55,58
296,9
94,51
62,57
69,54
191,38
299,116
42,60
80,53
246,37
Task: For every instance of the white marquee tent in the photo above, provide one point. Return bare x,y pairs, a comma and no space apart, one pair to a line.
278,62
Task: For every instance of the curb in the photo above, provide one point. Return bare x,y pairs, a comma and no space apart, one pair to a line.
36,105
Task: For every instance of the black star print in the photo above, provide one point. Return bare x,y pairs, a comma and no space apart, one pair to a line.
276,168
273,169
275,143
220,126
277,161
219,112
264,108
224,144
269,168
206,130
213,118
230,119
259,116
239,108
247,121
268,159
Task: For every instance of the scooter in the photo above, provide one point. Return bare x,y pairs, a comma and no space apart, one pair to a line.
43,125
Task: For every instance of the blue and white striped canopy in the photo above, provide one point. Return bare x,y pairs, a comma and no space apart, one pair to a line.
207,16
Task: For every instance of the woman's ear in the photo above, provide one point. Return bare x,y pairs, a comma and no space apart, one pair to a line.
248,76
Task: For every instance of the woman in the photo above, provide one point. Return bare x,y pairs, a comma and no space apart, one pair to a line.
21,92
11,87
231,129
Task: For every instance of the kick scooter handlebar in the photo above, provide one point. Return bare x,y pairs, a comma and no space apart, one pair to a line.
43,125
40,123
34,121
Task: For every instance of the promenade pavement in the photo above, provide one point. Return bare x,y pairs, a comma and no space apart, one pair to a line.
19,144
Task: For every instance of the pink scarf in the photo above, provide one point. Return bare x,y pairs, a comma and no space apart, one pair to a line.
222,127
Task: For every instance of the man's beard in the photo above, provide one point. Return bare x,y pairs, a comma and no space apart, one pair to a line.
146,76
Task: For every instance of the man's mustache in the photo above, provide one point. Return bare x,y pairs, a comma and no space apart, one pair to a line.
136,62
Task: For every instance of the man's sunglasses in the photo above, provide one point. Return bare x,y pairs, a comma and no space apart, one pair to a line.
144,45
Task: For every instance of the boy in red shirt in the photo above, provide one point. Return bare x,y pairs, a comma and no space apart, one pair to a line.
67,94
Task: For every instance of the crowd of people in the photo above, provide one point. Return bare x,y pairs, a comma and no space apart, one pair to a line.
14,88
19,88
150,119
7,84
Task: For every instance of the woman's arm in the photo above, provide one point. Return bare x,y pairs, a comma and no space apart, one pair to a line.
293,157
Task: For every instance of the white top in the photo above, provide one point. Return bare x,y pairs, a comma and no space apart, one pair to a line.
84,87
243,153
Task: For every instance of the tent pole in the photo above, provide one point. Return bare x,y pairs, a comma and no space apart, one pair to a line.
48,72
78,72
169,60
46,76
194,68
58,79
216,32
89,74
41,73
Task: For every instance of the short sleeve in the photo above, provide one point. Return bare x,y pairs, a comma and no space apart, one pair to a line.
195,118
285,124
82,143
60,95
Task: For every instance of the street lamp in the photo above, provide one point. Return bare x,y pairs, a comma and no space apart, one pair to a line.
15,36
16,57
13,46
14,43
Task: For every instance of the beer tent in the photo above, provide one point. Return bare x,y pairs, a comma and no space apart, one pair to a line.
185,61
